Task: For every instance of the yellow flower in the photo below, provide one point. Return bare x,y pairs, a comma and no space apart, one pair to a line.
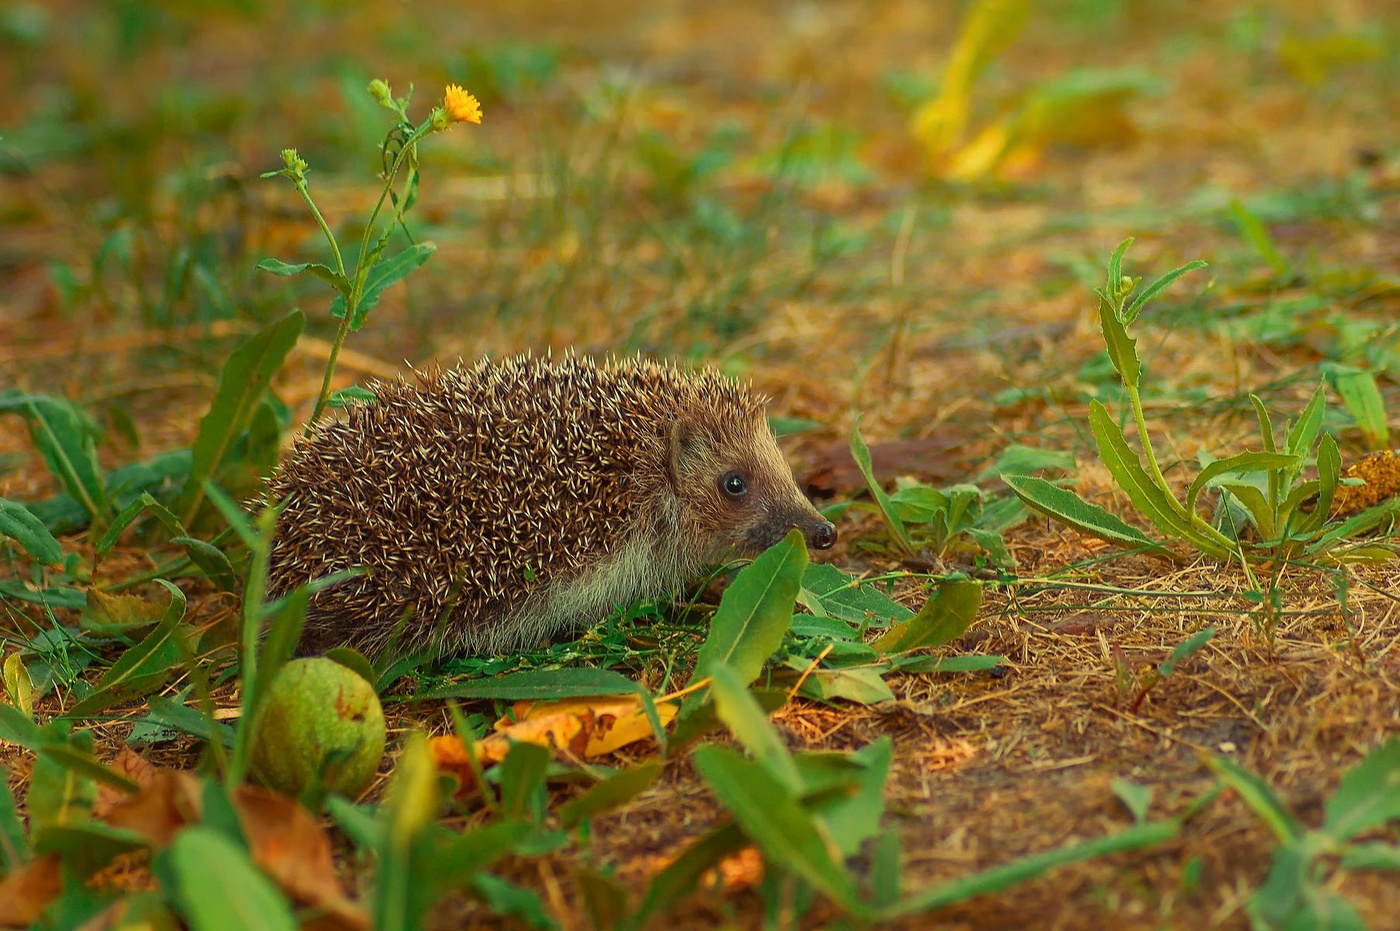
461,106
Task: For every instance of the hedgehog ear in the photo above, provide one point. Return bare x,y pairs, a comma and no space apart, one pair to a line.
685,443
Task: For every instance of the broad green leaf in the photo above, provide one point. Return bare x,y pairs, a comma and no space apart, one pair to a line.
539,684
827,591
382,275
612,792
1266,424
1243,464
67,439
449,862
1362,397
522,782
861,454
327,274
1253,501
852,791
1257,795
1017,459
18,728
749,724
245,377
509,900
20,524
754,612
1003,877
1065,506
1329,474
1122,348
108,615
1326,910
78,759
217,887
777,822
1154,501
932,664
212,562
187,720
1384,514
55,596
886,871
141,667
944,617
863,684
59,794
605,900
1368,795
1281,894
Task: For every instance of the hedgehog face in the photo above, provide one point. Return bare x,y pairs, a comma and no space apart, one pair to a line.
736,492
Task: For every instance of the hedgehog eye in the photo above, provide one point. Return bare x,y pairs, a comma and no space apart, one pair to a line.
734,485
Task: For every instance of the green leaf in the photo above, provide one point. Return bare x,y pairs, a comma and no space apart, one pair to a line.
1017,871
522,782
1115,268
538,684
861,454
88,847
944,617
14,850
847,791
1303,434
187,720
380,276
1244,464
1280,896
59,794
508,900
828,592
1362,397
18,728
1122,348
749,723
1136,798
1368,795
616,790
1384,513
1372,856
1185,650
212,562
1329,475
67,439
773,819
327,274
216,886
1254,233
604,899
1266,424
141,668
1151,499
1157,287
1257,795
20,524
678,880
1065,506
245,377
932,664
754,612
863,684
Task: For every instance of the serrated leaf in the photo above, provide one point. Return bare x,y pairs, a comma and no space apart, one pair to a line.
1157,287
776,821
20,524
384,273
242,382
945,616
1154,501
142,667
1071,510
327,274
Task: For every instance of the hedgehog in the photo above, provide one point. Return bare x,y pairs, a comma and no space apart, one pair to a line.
495,506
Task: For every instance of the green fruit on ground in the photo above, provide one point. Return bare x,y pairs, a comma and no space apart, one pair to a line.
320,720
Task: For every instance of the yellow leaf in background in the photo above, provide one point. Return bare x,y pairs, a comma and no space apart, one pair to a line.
18,686
989,27
1313,59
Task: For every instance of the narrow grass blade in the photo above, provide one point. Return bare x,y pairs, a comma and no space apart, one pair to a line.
1362,397
1303,434
1253,232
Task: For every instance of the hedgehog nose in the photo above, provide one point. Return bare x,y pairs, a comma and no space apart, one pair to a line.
822,536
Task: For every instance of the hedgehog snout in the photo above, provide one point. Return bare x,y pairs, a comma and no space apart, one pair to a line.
820,534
